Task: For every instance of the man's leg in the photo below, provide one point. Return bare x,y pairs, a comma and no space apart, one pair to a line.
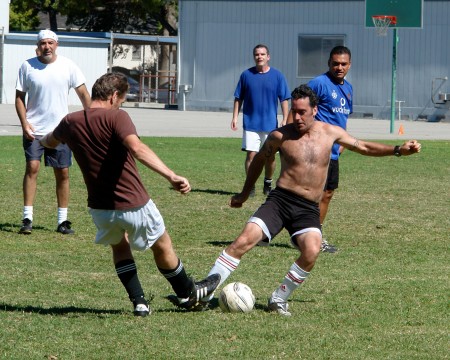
127,272
331,185
269,171
309,245
188,293
229,259
324,203
62,197
248,161
29,186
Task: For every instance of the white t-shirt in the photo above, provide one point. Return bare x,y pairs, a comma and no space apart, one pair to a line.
47,87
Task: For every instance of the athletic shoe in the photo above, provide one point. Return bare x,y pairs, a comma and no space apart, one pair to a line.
199,290
27,226
64,228
325,247
279,307
267,187
252,192
142,310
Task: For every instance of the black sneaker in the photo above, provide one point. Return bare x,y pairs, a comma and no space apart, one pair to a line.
142,310
27,226
326,247
199,290
267,187
64,228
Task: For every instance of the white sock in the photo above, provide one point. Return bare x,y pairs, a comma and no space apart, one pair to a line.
28,212
62,215
224,266
293,279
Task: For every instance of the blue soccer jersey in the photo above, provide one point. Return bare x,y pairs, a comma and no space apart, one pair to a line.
260,93
335,103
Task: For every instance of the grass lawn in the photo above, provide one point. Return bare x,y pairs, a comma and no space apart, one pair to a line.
384,295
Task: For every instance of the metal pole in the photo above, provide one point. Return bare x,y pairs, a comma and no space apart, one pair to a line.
394,79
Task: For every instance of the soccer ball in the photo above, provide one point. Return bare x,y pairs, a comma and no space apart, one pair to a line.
236,297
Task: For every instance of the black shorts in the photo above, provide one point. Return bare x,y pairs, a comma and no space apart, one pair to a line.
332,182
284,209
60,157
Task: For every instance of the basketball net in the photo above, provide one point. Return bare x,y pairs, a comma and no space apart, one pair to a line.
383,22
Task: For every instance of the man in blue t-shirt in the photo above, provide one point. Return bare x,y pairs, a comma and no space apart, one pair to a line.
259,89
335,105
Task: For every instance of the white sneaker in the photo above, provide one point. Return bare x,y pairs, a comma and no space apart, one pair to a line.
281,307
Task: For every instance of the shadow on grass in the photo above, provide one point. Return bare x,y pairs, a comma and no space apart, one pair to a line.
56,310
216,192
14,228
226,243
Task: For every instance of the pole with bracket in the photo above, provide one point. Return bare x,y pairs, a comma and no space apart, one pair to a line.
394,79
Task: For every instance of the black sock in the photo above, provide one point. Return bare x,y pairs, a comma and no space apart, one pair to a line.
181,283
127,273
266,180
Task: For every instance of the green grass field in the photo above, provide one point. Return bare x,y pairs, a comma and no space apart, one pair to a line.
384,295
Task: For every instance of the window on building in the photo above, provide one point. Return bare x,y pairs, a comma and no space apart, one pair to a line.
136,53
313,53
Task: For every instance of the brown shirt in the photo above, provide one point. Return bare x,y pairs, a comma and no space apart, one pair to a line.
109,170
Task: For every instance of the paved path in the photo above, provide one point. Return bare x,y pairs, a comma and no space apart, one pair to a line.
161,122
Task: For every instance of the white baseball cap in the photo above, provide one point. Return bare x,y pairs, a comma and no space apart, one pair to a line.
47,34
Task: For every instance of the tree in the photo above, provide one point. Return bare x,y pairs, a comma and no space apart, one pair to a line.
144,17
24,13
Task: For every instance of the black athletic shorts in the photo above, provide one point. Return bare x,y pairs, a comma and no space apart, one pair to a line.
284,209
332,182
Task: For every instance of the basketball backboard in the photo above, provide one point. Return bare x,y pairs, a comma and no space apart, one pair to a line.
409,13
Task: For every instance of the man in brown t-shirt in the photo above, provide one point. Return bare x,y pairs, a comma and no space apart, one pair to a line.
105,144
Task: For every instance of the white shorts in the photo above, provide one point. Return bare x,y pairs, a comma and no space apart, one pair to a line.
144,225
253,140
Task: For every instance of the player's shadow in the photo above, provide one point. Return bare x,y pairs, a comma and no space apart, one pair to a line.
226,243
56,311
215,192
14,228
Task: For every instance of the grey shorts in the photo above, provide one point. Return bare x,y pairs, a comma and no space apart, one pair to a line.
144,225
60,157
253,140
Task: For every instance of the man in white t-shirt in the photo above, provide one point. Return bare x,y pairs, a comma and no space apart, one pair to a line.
42,91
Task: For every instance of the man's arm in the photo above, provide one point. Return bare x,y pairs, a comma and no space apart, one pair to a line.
236,108
369,148
268,151
147,157
285,111
21,111
83,95
49,141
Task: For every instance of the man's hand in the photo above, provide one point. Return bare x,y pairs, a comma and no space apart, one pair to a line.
28,131
237,200
180,184
410,147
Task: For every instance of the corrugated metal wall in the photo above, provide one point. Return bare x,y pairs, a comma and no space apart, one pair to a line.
217,38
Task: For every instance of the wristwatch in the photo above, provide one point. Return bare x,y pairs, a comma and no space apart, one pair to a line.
397,151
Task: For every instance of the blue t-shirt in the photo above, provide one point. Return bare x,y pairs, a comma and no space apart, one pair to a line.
261,93
335,103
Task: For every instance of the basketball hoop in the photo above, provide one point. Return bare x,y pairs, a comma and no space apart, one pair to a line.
383,22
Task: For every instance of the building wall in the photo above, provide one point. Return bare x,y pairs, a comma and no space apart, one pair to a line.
91,56
216,39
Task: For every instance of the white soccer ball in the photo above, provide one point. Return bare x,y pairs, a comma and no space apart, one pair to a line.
236,297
